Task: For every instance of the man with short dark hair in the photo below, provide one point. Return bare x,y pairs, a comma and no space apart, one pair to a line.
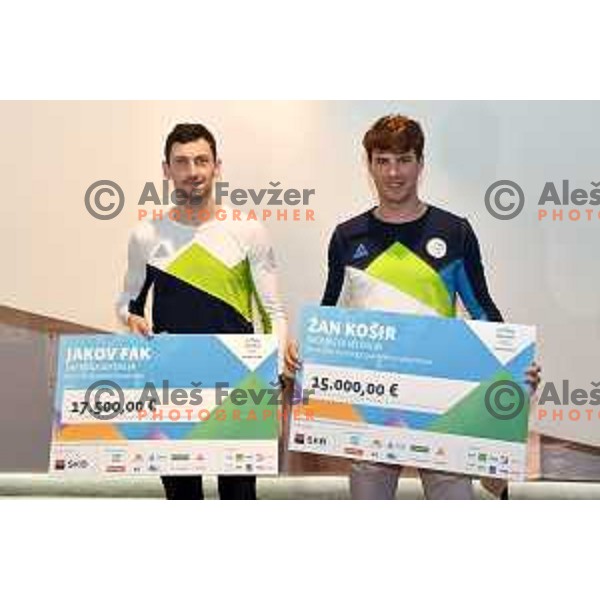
208,272
407,256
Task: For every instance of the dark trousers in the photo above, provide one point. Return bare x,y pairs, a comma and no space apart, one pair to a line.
189,487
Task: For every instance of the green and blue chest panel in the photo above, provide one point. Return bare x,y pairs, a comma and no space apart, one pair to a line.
420,267
201,278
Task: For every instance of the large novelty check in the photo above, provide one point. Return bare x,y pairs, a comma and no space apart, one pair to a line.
444,394
171,404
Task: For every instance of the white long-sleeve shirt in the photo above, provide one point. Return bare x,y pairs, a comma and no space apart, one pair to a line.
217,277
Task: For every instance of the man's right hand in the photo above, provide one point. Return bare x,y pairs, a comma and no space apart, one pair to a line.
291,360
139,325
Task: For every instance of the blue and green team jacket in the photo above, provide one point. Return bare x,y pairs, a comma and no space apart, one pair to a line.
216,277
422,267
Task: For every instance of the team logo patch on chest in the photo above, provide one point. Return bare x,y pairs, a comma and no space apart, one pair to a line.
436,247
161,252
360,252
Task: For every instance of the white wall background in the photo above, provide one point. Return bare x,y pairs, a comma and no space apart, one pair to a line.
59,261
